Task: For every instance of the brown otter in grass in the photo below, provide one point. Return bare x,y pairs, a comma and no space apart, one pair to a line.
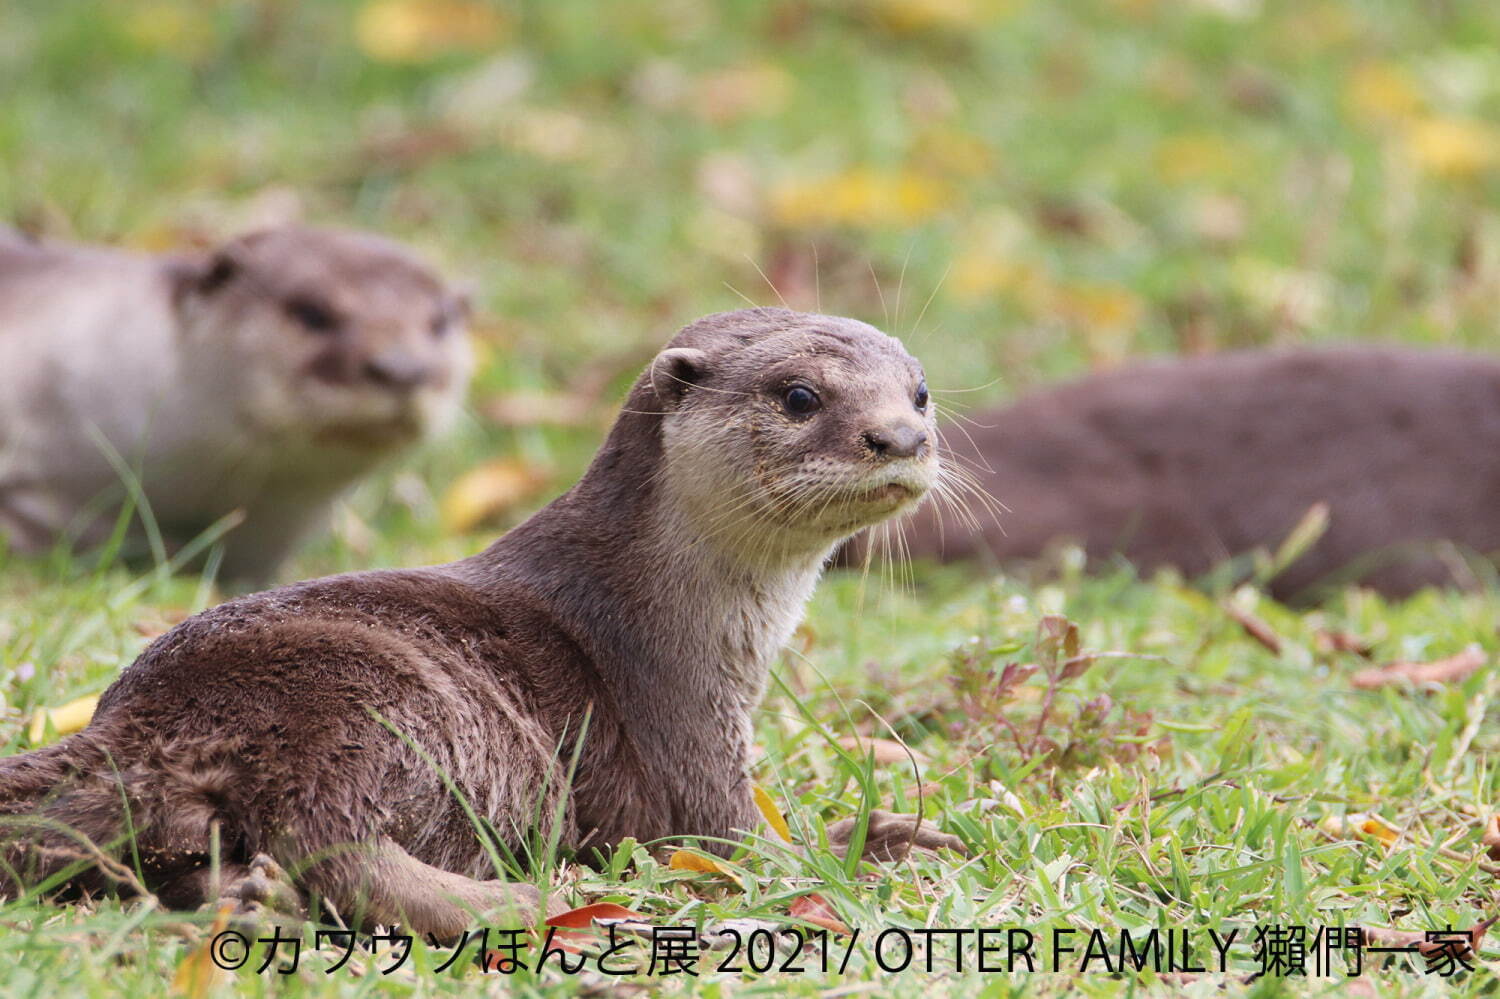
629,625
1189,462
265,376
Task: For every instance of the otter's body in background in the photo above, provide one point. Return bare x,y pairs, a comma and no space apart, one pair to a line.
264,377
1187,463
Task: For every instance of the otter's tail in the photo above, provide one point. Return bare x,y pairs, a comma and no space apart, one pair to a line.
60,811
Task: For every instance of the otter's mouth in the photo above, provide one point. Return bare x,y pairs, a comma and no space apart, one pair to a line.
373,435
891,492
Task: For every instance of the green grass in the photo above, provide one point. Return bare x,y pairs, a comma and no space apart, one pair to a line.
1023,191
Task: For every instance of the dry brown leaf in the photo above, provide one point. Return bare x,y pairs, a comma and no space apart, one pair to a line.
1342,641
886,751
816,910
1462,944
1449,670
488,491
1490,840
1255,628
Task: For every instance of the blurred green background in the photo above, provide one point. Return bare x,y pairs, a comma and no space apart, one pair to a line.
1022,190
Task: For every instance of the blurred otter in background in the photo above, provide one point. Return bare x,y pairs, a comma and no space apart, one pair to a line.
263,377
1190,462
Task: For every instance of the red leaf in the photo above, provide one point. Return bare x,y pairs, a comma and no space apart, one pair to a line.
816,910
583,917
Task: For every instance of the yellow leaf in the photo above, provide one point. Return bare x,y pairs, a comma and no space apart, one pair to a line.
1454,147
692,860
1098,306
772,814
1198,157
1377,827
174,28
198,973
1360,822
862,196
418,30
689,860
915,16
488,491
1379,92
951,151
65,720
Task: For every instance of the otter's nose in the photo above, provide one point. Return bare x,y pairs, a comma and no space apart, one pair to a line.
397,370
900,441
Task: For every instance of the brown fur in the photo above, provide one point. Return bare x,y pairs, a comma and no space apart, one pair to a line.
1186,463
632,605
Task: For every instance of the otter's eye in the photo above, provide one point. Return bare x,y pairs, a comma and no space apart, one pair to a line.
800,400
317,318
920,399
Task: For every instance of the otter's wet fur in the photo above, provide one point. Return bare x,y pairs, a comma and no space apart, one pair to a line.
646,603
1188,463
264,376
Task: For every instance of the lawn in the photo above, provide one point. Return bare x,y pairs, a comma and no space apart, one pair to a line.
1022,191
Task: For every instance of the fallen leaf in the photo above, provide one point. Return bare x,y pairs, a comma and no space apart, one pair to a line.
1449,670
1454,147
816,910
583,917
64,720
198,972
692,860
418,30
488,491
770,812
1360,824
1098,306
885,751
1381,93
1255,628
1342,641
1491,838
1460,944
862,196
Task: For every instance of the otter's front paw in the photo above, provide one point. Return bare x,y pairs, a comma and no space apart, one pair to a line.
264,891
892,836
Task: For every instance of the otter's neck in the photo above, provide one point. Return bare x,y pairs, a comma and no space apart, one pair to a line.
681,623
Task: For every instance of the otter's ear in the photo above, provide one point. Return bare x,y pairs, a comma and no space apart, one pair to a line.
675,370
203,273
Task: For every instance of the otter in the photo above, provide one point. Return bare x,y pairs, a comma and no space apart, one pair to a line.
589,677
264,376
1189,462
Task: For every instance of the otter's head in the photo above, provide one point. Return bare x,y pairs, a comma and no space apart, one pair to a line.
338,334
790,431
